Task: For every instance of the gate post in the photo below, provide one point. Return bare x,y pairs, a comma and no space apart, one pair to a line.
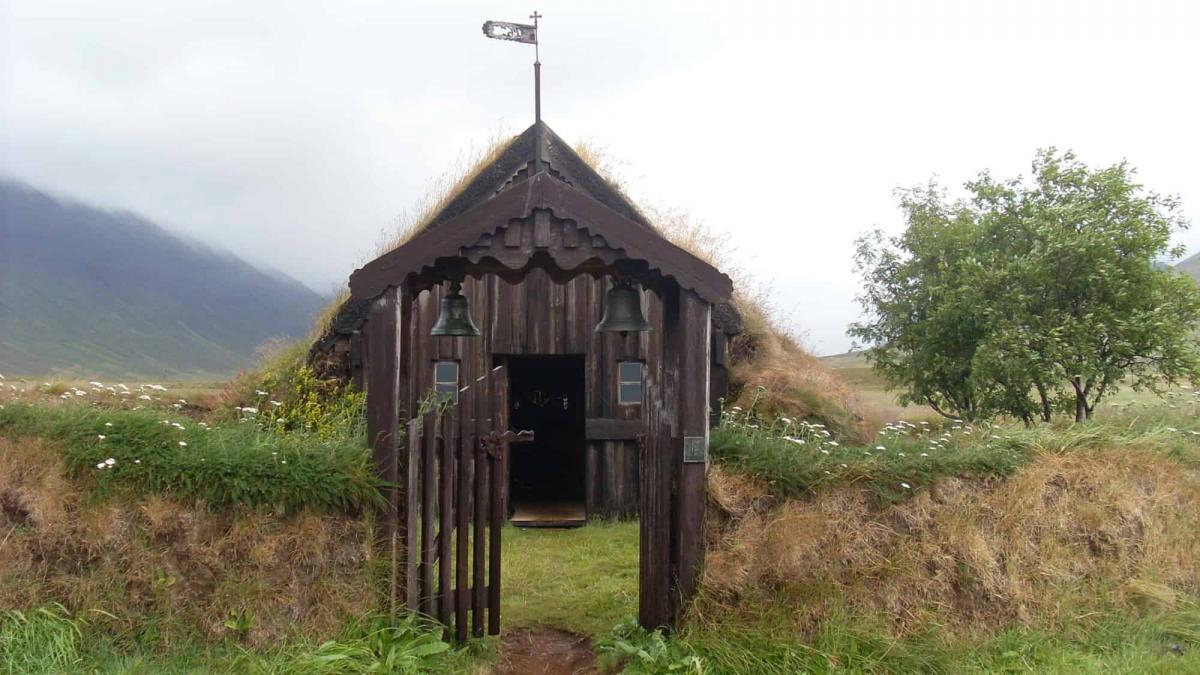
383,385
692,438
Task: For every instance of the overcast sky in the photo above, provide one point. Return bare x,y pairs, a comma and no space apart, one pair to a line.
294,133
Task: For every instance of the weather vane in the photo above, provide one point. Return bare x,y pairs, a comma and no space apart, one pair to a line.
523,32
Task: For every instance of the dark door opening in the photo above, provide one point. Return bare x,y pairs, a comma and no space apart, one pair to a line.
546,477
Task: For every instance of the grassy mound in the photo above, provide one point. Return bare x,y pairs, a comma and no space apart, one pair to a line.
1077,555
147,452
173,567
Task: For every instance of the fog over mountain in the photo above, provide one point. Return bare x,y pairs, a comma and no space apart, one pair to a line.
91,292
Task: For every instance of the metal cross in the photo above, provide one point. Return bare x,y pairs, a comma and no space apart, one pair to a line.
535,16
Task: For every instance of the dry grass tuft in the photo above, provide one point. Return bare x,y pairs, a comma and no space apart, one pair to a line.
775,376
1070,535
305,574
443,188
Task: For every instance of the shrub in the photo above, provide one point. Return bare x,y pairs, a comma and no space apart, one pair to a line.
641,652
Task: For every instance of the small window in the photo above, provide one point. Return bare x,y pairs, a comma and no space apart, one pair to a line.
629,383
445,380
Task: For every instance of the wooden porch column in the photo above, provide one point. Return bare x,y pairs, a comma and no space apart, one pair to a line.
383,388
656,475
692,434
674,463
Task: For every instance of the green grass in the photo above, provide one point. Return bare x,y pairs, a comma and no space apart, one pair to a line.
50,640
583,580
798,459
848,643
241,464
891,468
46,639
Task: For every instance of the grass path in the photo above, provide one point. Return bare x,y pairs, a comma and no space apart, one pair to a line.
583,580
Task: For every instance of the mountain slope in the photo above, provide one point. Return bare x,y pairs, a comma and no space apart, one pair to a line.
1190,266
91,292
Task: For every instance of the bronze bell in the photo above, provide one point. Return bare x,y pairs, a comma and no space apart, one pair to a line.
454,319
623,311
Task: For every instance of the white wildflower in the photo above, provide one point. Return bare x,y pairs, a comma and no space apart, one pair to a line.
144,397
276,403
260,392
101,465
880,447
906,486
110,461
101,436
183,444
833,443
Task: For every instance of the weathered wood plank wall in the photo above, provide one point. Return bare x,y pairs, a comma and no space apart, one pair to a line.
542,316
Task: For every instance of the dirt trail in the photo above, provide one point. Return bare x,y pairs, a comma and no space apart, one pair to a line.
545,651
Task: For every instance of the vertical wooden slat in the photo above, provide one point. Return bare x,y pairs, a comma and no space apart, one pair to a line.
497,420
498,493
383,381
412,491
428,490
449,442
497,520
463,551
478,580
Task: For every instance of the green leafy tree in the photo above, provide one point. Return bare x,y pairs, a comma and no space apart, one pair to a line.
1029,297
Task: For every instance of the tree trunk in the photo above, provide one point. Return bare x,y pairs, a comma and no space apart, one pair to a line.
1081,412
1045,398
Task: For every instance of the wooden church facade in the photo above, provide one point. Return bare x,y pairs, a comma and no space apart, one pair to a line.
536,239
549,313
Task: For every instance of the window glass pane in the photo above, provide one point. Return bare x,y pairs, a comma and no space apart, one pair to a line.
445,380
630,393
446,371
630,371
447,392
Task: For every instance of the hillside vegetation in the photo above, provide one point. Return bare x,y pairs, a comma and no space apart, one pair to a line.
95,293
933,548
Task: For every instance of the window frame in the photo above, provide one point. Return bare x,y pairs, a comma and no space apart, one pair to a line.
640,382
450,396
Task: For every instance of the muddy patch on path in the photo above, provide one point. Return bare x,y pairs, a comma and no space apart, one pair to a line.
545,651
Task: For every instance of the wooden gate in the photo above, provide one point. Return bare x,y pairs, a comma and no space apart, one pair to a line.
455,511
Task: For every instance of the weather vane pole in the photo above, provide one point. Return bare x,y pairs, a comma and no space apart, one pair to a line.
537,71
521,32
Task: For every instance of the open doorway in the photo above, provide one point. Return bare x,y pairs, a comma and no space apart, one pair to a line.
546,477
